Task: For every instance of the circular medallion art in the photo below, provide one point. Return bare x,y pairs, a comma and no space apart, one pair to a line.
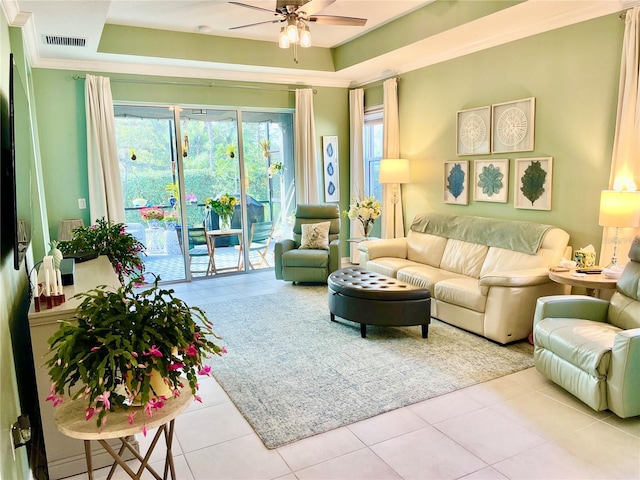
512,126
473,131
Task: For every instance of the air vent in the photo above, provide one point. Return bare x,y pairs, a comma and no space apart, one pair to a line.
65,41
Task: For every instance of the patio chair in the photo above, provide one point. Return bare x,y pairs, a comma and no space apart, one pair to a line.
259,241
197,239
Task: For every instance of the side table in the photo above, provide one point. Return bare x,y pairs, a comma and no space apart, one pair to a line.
70,420
211,240
354,253
593,283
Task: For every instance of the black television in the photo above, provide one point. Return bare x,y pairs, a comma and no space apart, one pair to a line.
8,202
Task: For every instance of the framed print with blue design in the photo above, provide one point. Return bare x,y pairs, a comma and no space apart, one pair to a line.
491,180
331,171
456,182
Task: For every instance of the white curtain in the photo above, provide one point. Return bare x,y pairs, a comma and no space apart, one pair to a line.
356,133
307,187
391,149
105,189
625,164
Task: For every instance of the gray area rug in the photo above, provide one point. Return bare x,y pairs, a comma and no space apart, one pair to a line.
293,373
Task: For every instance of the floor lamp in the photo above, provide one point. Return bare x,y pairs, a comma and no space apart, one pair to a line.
619,209
394,171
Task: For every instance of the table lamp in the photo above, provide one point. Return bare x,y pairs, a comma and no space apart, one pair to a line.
619,209
394,171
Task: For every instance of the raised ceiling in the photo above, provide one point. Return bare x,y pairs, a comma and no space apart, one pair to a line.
431,38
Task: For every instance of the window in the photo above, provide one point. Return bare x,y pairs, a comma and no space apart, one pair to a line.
373,137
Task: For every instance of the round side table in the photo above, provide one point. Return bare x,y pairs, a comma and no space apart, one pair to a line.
593,283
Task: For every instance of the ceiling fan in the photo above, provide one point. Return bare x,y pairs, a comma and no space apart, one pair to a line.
294,11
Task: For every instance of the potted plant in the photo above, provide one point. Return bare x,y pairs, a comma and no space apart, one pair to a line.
152,215
128,350
274,169
110,239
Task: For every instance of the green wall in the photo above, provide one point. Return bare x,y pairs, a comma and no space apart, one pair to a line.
572,72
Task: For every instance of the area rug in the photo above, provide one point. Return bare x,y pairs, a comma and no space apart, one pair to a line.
293,373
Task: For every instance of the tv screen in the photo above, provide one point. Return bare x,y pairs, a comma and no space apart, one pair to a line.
8,204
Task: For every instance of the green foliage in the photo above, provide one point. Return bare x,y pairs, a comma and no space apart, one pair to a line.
455,181
110,239
490,180
122,335
533,181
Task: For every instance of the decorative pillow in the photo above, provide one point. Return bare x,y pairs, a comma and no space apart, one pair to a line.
315,236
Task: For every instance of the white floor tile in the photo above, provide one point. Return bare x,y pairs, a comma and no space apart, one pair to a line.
489,435
359,465
242,458
487,473
447,406
386,426
427,453
495,391
319,448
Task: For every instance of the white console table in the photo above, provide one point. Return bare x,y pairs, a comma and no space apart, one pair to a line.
65,456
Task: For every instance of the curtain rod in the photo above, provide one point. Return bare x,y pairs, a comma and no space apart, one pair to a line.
375,82
189,84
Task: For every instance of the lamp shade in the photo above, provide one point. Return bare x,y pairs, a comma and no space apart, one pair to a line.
619,209
394,170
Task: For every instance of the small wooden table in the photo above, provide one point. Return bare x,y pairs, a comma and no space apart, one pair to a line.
590,281
211,242
70,420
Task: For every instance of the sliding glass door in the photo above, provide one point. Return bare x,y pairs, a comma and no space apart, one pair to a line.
175,158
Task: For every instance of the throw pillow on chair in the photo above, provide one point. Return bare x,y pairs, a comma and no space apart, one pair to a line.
315,236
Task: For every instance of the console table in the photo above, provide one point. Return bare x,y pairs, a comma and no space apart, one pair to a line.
70,420
65,456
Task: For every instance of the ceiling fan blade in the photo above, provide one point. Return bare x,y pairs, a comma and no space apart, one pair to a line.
334,20
254,24
252,7
313,7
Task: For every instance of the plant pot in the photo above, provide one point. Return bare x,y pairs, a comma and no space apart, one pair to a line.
157,385
225,223
368,227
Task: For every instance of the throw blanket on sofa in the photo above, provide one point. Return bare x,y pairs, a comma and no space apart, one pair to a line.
522,237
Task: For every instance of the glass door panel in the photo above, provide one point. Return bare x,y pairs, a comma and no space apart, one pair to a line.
211,170
145,138
267,140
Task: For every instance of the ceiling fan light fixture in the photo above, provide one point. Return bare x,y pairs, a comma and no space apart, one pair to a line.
283,39
305,36
292,30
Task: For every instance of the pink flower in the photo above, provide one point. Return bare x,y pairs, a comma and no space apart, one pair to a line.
104,398
153,351
176,366
131,415
223,350
192,351
95,349
144,430
90,412
205,370
53,396
197,398
134,354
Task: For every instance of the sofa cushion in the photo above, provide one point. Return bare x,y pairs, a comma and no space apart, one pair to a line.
499,259
583,343
462,291
425,248
624,312
463,257
389,266
425,276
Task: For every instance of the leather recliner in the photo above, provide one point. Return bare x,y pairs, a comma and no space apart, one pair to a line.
591,347
309,265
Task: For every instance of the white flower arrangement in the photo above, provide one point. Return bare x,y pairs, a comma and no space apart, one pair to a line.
365,210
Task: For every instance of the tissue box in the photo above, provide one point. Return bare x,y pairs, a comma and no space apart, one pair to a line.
584,259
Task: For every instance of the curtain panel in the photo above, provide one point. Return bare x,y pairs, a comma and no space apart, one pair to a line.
356,133
306,175
105,189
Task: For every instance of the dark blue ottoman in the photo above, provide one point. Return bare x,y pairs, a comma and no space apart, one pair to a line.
366,297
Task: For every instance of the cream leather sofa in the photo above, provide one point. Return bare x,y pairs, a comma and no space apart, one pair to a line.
591,347
484,274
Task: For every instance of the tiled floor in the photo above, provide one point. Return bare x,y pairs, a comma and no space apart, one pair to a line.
518,426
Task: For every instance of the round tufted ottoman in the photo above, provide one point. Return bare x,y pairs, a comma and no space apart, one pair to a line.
369,298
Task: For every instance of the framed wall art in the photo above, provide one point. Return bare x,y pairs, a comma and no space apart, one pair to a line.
473,128
331,171
491,180
512,128
456,182
532,180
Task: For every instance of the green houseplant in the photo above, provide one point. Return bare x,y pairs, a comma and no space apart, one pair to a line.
121,343
110,239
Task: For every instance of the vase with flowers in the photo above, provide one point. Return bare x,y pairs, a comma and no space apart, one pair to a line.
365,210
224,206
130,350
153,216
